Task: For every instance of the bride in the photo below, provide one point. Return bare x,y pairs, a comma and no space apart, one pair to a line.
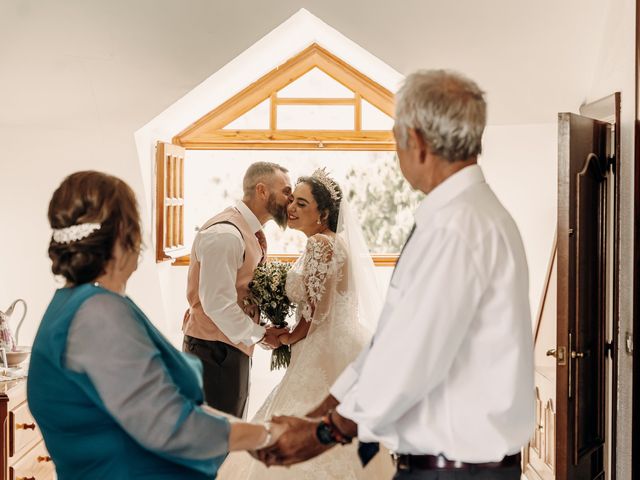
337,304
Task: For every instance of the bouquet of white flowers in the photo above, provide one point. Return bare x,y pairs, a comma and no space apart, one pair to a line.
267,292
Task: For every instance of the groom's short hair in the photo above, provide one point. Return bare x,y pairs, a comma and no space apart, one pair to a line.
259,172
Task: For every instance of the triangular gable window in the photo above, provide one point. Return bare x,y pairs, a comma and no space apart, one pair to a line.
315,80
315,92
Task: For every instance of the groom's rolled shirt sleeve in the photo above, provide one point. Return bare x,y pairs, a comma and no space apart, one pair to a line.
416,344
220,251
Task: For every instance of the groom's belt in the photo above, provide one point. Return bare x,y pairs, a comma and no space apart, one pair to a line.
440,462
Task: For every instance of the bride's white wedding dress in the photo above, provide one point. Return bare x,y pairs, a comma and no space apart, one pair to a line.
319,284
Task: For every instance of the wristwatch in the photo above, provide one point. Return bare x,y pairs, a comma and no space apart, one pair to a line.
324,433
328,433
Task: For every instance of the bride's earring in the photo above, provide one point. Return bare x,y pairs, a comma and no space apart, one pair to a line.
318,221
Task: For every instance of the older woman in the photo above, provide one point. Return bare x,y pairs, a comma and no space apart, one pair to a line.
111,395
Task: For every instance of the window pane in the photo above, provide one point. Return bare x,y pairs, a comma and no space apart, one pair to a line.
315,117
255,119
316,84
374,118
371,181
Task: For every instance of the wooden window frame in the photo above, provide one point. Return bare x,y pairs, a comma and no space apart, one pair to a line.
208,132
169,201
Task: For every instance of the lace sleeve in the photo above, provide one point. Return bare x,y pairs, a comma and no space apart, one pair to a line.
316,269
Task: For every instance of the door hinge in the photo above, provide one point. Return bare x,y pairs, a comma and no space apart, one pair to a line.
611,163
629,343
608,349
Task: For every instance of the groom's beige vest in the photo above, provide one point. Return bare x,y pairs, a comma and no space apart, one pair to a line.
196,323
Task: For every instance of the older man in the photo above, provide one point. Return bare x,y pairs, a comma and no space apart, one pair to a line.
218,327
447,382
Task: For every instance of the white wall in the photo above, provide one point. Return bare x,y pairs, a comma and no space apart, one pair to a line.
520,164
34,161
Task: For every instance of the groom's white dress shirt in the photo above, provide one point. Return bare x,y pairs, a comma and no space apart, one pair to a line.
220,250
450,368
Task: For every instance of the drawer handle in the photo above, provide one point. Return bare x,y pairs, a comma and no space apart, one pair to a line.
25,426
26,478
44,458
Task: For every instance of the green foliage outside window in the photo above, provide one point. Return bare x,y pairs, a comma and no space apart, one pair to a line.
385,203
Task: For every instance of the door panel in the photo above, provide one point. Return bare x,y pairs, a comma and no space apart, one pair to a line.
581,307
590,304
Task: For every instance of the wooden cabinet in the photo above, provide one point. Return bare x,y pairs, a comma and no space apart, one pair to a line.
24,456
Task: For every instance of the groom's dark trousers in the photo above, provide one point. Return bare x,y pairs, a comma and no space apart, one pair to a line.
225,374
426,467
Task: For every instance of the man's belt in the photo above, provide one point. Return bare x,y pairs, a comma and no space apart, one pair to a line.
440,462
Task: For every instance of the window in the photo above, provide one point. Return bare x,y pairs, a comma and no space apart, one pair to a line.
170,200
314,110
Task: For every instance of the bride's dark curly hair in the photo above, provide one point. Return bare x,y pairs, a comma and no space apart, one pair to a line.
327,206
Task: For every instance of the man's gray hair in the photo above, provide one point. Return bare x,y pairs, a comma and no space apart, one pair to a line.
259,172
446,108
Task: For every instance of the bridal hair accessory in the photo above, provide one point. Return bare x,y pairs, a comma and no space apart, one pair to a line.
74,232
320,174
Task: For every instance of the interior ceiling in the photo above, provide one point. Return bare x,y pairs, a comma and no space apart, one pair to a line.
127,60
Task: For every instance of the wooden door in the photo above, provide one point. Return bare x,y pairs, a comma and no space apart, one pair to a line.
583,166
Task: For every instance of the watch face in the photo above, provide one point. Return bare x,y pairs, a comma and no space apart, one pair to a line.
323,432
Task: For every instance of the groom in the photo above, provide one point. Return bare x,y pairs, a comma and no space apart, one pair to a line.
218,327
447,381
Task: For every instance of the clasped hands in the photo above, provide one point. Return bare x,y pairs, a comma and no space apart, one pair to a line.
273,337
294,441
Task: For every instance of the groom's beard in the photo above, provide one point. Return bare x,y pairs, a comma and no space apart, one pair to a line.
278,212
